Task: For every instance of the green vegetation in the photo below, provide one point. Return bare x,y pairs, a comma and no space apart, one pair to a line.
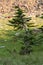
20,21
9,56
41,16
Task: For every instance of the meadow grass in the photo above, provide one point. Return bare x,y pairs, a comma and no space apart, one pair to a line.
12,58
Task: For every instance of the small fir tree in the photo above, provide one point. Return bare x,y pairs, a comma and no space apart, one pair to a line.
20,21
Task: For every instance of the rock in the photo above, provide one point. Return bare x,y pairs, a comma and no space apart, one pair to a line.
30,6
2,46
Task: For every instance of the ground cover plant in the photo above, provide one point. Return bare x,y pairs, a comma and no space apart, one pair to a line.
8,55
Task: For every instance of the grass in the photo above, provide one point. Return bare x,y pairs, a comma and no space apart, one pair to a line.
12,58
4,24
38,22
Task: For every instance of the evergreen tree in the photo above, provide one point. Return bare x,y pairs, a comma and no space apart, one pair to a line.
19,20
